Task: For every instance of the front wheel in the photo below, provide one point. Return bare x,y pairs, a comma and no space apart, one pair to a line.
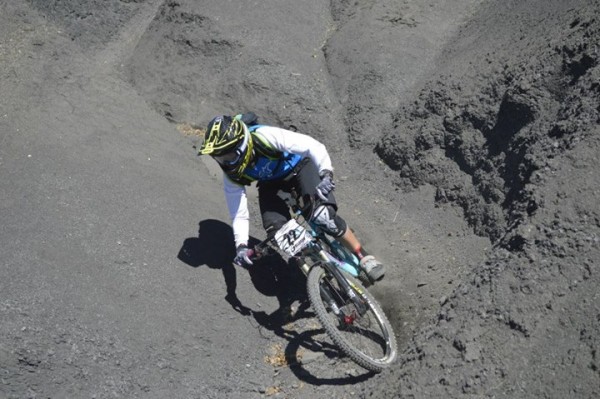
367,338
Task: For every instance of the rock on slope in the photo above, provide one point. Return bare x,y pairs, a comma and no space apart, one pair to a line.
508,130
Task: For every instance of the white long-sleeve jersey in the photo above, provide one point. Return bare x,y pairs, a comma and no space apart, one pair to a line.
282,140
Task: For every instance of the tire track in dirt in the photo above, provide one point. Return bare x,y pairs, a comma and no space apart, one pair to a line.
119,49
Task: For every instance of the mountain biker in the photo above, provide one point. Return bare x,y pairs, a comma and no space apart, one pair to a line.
278,159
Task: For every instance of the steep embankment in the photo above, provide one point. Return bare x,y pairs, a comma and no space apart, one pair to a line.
116,276
325,77
508,130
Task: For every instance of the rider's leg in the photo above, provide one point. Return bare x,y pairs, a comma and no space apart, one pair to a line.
374,269
326,216
274,210
349,240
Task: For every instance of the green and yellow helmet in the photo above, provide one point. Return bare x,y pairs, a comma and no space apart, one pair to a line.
229,142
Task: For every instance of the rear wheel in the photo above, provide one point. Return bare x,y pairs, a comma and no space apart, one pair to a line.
367,338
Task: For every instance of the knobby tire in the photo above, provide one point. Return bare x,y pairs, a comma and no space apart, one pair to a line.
375,351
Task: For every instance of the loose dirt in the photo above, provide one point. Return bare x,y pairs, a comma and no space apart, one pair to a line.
465,141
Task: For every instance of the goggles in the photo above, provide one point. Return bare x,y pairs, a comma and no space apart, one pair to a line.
229,158
232,157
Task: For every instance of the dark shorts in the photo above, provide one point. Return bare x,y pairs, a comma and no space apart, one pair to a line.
273,208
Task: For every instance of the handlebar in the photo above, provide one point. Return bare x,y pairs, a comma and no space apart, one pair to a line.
263,248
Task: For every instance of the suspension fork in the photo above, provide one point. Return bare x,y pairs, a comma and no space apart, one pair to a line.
328,298
324,289
330,265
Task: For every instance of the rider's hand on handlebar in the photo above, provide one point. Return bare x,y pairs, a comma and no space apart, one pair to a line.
243,255
326,185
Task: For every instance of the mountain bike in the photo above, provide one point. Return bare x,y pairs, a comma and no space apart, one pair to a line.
349,314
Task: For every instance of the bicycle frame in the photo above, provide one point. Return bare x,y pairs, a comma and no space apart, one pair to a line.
341,257
319,255
332,266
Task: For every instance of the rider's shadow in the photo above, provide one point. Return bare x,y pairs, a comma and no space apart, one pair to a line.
214,248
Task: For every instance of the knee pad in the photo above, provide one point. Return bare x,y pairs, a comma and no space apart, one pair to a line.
326,218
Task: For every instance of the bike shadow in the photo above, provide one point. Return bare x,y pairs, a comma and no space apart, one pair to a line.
308,349
298,326
271,276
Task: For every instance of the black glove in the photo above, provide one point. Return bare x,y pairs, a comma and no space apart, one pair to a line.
326,185
242,257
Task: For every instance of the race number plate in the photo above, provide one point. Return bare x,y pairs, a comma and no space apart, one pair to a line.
292,238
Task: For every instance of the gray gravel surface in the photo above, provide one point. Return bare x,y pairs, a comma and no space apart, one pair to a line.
465,142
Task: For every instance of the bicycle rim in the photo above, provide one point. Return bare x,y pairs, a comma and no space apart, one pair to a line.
367,339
